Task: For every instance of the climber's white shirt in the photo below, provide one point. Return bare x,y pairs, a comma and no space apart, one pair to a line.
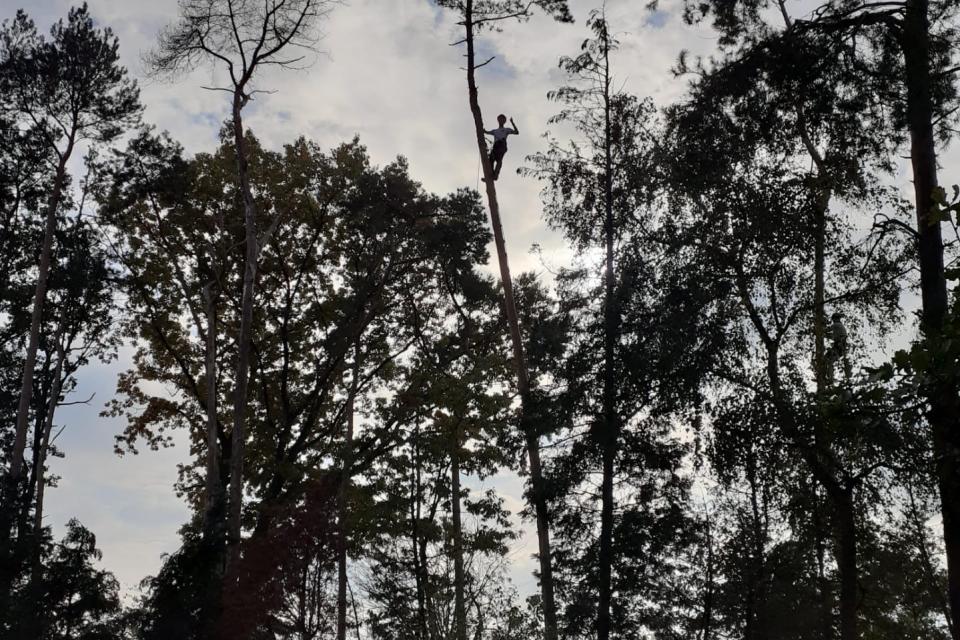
500,134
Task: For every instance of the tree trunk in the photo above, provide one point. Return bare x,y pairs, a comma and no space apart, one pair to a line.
238,439
42,454
36,552
707,627
611,424
426,611
11,481
342,533
929,570
214,495
39,297
944,405
530,425
846,531
214,507
824,592
755,627
822,378
459,577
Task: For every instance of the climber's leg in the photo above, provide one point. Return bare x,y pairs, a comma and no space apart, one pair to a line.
496,157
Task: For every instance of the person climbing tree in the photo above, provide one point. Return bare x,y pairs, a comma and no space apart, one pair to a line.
500,143
472,19
838,348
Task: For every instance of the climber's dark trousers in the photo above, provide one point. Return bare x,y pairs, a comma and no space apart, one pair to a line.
496,157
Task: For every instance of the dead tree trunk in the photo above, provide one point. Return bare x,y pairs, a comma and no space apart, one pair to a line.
238,439
611,320
944,405
530,425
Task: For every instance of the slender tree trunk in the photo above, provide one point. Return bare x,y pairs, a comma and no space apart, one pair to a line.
846,528
459,577
36,552
530,424
933,586
418,568
944,405
427,611
41,394
819,290
847,569
342,532
707,628
39,298
755,629
824,592
214,495
11,481
611,424
42,454
214,498
238,439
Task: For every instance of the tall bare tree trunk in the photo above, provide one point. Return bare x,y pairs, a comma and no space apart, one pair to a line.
459,576
611,320
243,348
530,425
944,405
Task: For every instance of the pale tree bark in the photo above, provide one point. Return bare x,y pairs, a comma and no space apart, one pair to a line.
530,426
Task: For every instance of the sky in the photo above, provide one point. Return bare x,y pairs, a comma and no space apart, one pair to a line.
388,74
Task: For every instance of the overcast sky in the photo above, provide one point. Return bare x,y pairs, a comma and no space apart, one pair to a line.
388,75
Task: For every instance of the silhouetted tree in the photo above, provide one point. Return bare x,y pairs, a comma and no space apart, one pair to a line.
243,37
66,91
